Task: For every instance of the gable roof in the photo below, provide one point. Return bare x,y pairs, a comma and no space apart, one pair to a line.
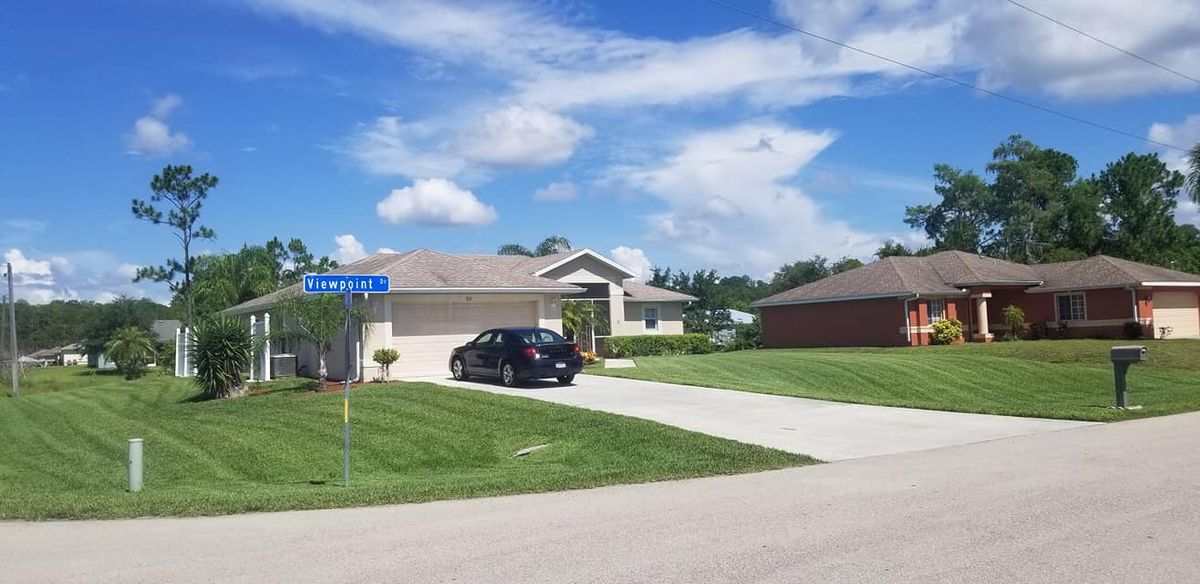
948,273
424,270
642,292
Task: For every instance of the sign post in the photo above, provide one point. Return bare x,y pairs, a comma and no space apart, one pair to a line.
347,285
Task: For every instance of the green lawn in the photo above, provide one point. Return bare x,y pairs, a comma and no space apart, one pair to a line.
1049,379
62,448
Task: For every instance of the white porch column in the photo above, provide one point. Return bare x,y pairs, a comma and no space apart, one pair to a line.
253,335
616,310
266,351
179,352
981,317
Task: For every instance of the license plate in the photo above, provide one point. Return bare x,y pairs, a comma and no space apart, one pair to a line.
560,365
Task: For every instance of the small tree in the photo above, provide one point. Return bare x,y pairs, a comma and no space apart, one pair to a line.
130,349
1014,319
222,349
549,246
317,319
578,317
385,357
185,194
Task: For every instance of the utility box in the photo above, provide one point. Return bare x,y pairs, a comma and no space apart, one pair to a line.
1122,357
283,365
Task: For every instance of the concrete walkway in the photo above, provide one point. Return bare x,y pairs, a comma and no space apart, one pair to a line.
826,430
1109,503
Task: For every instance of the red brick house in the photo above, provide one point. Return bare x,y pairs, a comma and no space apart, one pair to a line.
895,301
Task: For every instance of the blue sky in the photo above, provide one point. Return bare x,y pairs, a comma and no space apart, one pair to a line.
676,132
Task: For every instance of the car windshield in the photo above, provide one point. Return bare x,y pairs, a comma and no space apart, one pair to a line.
537,336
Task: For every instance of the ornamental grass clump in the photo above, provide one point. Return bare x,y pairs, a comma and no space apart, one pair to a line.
222,349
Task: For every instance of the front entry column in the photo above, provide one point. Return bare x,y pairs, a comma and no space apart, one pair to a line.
981,317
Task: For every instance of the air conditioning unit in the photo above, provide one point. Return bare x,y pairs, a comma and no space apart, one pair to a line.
283,365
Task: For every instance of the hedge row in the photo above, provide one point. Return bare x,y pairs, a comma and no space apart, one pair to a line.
646,345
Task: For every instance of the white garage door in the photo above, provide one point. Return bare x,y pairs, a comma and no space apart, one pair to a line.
425,333
1178,310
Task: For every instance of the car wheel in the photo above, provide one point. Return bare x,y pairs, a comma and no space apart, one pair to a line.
508,375
459,370
566,379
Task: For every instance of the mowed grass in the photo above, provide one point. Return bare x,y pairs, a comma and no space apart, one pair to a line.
1070,379
63,448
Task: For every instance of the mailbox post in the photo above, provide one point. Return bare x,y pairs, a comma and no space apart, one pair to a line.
1122,357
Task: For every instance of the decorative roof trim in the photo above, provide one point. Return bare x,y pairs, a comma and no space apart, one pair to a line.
589,252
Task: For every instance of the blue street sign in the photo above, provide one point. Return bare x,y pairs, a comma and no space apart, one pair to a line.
334,283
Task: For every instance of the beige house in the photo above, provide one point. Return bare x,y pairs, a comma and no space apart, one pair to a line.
439,301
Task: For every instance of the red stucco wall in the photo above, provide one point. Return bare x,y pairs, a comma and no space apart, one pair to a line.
834,324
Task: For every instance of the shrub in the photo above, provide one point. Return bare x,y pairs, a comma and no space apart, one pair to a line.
1014,319
946,331
1039,331
222,349
166,356
130,349
745,336
385,357
646,345
1133,330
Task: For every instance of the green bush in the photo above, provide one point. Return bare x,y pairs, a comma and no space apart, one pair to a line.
1133,330
946,331
648,345
745,336
222,350
1039,330
166,356
130,349
1014,318
385,357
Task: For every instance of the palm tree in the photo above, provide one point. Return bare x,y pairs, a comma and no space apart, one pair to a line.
549,246
222,349
580,316
1193,179
229,279
130,349
316,319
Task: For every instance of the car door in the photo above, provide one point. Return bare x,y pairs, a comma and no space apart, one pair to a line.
494,353
474,353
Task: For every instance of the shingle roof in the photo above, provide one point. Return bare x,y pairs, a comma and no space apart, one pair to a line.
947,273
1105,272
636,291
426,269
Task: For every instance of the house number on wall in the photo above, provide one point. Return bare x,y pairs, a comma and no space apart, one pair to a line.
467,299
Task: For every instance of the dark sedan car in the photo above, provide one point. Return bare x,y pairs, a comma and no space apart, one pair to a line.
515,354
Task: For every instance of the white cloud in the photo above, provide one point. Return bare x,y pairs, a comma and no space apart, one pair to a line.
77,275
523,136
349,249
152,136
556,191
386,250
128,271
383,147
731,199
1185,134
635,259
434,201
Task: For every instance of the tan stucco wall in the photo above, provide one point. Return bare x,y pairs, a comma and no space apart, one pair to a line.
670,319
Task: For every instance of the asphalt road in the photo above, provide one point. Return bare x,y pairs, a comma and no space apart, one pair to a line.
823,429
1111,503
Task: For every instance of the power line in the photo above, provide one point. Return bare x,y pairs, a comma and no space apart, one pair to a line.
1105,43
996,94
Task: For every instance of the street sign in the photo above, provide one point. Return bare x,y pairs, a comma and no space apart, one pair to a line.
334,283
348,285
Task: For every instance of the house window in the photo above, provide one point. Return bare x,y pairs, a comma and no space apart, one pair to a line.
1071,307
650,317
937,310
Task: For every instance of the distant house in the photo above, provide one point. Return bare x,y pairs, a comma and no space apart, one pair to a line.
896,300
73,354
44,357
164,330
736,317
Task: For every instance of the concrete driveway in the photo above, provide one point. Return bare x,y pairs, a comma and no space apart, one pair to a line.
826,430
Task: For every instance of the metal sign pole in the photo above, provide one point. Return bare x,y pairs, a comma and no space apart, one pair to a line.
346,400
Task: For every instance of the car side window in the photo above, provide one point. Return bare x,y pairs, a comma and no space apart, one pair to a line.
502,338
484,339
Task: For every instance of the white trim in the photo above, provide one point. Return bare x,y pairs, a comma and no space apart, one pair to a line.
1058,315
585,251
1173,284
897,295
929,309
